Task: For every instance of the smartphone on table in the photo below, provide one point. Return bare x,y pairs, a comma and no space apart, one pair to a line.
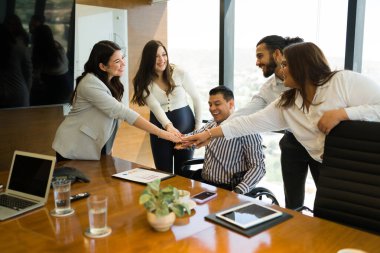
203,196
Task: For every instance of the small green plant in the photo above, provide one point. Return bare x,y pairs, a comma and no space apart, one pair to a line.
162,201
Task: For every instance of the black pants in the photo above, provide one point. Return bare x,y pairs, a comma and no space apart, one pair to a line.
295,161
163,150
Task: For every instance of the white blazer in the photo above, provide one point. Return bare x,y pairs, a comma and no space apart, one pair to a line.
90,123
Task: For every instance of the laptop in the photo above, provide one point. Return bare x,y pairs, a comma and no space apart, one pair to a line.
28,184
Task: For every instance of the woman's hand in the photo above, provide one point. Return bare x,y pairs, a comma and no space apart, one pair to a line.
197,140
181,145
330,119
170,136
171,129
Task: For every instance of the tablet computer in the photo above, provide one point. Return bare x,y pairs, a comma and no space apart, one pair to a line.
248,214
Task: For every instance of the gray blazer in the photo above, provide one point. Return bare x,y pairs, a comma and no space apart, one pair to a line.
90,123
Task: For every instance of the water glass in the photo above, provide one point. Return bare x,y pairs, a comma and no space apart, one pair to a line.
97,215
62,196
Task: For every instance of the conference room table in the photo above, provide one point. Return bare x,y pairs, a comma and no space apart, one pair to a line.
38,231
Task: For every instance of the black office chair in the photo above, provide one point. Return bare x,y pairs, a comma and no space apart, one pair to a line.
348,189
260,193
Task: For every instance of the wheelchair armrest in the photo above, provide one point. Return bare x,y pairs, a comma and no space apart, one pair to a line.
193,161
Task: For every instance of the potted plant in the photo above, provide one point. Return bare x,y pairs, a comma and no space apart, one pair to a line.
163,205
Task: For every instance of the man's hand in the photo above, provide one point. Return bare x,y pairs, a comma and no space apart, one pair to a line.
197,140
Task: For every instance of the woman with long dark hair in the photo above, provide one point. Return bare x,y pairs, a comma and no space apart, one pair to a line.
164,87
90,128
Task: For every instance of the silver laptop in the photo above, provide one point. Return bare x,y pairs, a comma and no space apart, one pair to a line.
28,184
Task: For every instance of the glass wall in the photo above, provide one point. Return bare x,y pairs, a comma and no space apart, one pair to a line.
310,20
193,42
254,20
371,61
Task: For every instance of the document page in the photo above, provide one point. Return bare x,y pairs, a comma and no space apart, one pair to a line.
144,176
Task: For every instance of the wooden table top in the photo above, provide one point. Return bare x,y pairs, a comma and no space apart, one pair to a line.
38,231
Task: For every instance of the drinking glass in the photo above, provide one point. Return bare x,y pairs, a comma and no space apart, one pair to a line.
97,215
62,198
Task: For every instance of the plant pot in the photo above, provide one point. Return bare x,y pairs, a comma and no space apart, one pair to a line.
161,223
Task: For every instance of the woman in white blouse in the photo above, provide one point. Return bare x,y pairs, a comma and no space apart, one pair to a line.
318,100
164,88
90,128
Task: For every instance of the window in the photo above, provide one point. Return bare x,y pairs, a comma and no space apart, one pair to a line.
371,62
310,20
193,42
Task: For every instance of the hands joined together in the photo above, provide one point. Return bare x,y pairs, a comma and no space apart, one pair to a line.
327,122
184,142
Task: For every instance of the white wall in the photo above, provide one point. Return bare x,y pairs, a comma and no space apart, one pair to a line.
93,24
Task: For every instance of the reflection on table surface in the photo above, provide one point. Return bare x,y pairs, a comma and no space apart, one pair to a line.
38,231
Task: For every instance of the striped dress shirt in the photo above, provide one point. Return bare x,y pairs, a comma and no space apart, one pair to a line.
238,162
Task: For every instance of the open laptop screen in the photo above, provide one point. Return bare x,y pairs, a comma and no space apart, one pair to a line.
30,175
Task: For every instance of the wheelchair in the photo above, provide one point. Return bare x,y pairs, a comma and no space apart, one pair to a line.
260,193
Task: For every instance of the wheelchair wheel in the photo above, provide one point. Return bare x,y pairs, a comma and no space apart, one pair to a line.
263,194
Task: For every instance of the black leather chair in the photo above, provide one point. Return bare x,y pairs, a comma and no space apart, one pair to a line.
348,189
260,193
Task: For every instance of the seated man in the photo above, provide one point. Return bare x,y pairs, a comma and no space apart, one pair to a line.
236,164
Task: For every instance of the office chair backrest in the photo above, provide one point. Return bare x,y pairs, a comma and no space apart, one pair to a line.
348,188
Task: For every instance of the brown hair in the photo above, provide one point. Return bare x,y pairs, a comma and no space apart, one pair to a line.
146,72
101,53
306,62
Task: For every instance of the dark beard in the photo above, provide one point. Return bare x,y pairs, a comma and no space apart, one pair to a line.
270,68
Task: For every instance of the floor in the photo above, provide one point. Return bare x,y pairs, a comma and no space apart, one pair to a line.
133,144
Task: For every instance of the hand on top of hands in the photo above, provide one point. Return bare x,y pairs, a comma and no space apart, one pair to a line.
198,140
172,137
171,129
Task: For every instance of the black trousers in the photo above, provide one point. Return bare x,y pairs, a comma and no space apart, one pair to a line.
163,150
295,161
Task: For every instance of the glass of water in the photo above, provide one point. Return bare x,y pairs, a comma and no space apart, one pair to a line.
97,215
62,198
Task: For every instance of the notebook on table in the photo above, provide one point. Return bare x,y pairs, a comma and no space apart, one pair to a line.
28,184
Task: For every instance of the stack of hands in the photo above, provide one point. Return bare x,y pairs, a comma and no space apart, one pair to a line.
327,122
184,142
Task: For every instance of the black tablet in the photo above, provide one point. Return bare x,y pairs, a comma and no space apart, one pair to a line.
248,214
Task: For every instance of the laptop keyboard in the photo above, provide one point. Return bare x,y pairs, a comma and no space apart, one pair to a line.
14,203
